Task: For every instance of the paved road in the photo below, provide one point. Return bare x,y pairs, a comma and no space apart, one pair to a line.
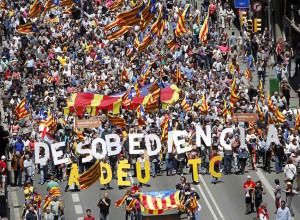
221,201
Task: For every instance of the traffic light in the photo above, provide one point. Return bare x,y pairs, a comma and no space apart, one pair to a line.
257,24
249,27
243,18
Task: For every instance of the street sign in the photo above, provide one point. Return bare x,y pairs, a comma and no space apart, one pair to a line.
244,117
241,3
257,6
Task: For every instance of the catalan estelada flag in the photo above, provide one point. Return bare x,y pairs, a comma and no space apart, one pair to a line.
155,86
147,41
270,103
137,88
116,32
180,27
131,17
90,176
51,4
117,121
148,14
171,44
127,98
156,203
35,9
22,109
259,112
52,120
177,74
116,4
154,101
204,107
280,117
262,94
186,104
28,28
66,3
159,25
204,30
297,121
141,116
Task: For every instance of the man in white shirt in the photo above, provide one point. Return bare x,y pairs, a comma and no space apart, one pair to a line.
290,171
142,160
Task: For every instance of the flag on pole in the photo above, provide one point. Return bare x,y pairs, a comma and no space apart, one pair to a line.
180,27
141,116
52,121
79,134
186,104
270,103
117,121
35,9
297,121
127,98
22,109
89,177
204,107
116,4
124,75
165,128
28,28
259,112
204,30
233,94
280,117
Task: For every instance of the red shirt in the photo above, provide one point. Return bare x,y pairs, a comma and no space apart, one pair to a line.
217,163
250,185
89,218
3,166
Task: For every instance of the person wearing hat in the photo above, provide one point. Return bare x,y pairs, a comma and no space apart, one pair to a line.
19,145
3,173
249,186
289,195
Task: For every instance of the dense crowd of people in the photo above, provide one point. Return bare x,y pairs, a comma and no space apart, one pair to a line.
77,55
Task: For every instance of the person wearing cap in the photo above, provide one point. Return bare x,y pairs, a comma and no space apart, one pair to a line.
249,186
3,173
289,195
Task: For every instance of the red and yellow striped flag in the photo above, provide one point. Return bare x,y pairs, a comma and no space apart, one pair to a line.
116,32
154,86
224,111
65,3
177,74
124,75
180,27
259,112
120,202
131,205
270,103
186,104
171,45
116,4
55,191
131,18
117,121
147,41
280,117
297,121
49,6
90,176
102,83
204,107
262,94
152,203
154,101
22,109
233,95
53,20
204,30
165,129
78,133
28,28
247,74
35,9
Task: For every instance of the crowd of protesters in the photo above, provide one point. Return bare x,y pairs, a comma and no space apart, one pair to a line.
79,55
